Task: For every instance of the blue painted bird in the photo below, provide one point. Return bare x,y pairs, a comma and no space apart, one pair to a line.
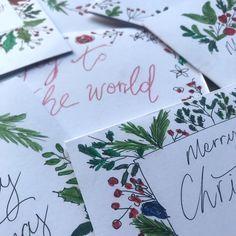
154,208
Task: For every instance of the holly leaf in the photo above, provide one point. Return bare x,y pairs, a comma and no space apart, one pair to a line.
72,195
9,42
24,35
90,151
83,229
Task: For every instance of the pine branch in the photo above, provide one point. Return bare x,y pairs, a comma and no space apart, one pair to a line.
157,133
151,227
19,136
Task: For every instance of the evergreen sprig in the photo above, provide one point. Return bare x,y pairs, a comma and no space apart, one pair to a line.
9,132
151,227
155,137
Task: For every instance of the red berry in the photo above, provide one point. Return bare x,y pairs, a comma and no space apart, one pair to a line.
140,182
113,181
191,84
133,213
117,193
84,39
137,200
128,186
133,180
191,91
179,131
171,132
229,31
115,205
223,19
185,133
116,224
234,18
199,87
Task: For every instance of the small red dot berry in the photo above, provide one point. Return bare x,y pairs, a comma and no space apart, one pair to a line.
117,193
116,224
115,205
223,19
113,181
128,186
133,213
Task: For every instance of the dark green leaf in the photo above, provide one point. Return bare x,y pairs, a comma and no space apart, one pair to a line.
9,42
59,148
52,162
121,167
61,167
90,151
72,181
66,172
83,229
109,165
124,178
48,154
99,144
110,136
135,170
111,153
191,127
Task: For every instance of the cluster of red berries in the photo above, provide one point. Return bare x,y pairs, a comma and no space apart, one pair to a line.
83,39
136,187
177,134
227,19
194,87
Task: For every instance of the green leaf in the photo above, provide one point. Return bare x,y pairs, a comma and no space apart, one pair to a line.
114,12
48,154
212,46
99,145
9,42
122,167
231,4
124,178
135,170
110,136
24,35
111,153
72,195
152,227
209,16
33,23
193,128
83,229
72,181
59,148
52,162
61,167
66,172
90,151
109,165
210,33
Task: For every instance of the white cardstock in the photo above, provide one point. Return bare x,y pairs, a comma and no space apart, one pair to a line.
168,173
39,193
111,78
204,33
135,11
8,14
35,40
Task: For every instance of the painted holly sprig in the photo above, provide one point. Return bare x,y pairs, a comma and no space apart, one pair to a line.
71,193
218,26
29,34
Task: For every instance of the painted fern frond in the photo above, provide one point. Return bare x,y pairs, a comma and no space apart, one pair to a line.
10,133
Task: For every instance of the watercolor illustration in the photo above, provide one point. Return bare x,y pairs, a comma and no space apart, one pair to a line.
30,34
121,157
10,132
114,8
215,27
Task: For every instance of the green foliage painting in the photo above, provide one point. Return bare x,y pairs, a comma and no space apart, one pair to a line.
216,26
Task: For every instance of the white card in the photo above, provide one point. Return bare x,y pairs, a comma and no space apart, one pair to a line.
111,78
37,40
72,15
204,33
8,14
136,11
169,173
39,193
